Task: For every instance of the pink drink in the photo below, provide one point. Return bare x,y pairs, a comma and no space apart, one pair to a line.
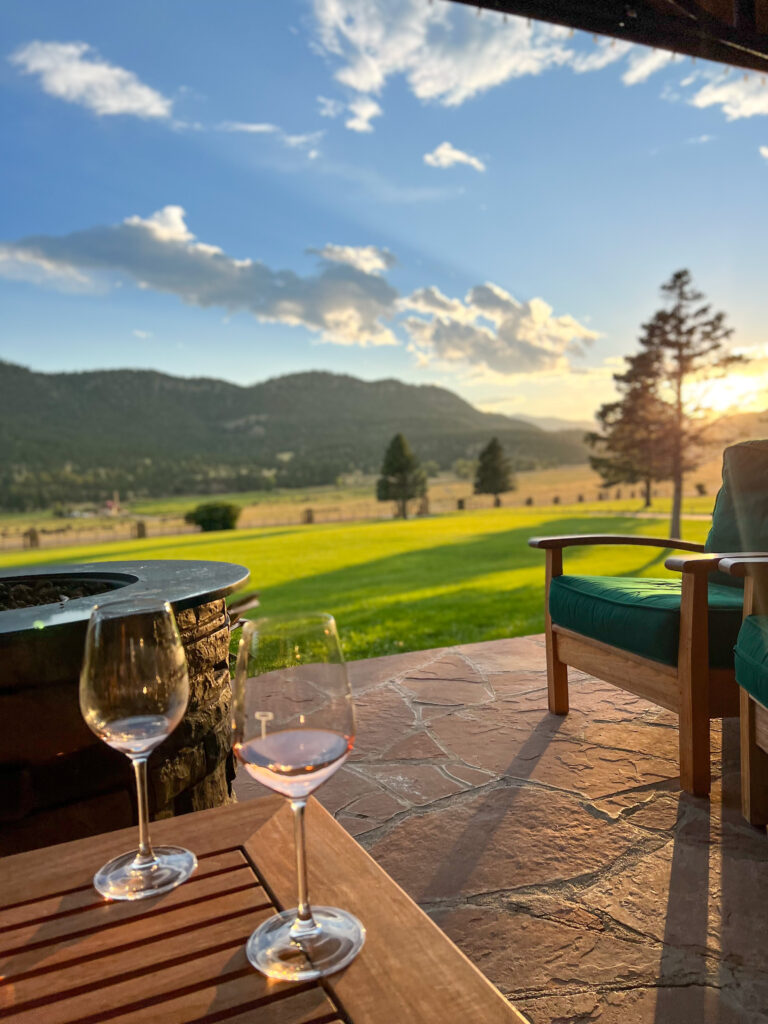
294,762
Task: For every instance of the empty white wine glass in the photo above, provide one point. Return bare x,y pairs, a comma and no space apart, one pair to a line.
294,726
134,691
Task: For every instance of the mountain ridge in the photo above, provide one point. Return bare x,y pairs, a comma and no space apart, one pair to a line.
79,435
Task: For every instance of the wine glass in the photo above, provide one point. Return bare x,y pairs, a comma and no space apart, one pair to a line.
134,690
294,725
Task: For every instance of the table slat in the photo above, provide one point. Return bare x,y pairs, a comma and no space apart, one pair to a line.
180,959
408,970
290,1005
63,968
86,896
141,916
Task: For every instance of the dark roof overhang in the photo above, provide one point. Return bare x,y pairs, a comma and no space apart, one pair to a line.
731,32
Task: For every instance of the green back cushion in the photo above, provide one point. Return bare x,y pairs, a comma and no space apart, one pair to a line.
642,614
740,517
752,657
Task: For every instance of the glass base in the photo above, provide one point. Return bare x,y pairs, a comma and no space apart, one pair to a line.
122,879
336,941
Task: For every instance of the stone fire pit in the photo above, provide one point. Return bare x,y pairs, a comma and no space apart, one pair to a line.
57,781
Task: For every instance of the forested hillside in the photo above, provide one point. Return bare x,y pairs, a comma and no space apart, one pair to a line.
80,436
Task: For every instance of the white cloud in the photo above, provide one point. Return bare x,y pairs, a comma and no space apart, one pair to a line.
305,141
340,303
369,259
18,265
249,127
737,97
363,111
492,330
645,63
142,335
446,55
764,151
446,155
328,107
606,51
700,140
74,72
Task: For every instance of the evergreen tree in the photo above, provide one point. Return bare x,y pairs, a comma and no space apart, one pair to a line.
689,341
656,431
494,472
632,445
402,477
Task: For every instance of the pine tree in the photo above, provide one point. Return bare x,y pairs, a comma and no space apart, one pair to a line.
656,431
402,477
689,342
632,445
494,472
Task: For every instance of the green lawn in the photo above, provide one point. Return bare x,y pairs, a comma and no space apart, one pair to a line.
398,586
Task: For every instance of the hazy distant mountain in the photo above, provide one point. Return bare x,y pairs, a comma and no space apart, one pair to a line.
554,423
78,436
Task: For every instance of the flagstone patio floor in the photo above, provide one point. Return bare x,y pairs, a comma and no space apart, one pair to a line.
558,852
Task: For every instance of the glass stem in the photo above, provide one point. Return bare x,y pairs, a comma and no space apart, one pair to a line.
305,923
144,856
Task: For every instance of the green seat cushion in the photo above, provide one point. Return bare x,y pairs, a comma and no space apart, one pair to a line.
752,657
642,614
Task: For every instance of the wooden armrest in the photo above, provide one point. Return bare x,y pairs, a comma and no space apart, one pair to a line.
573,540
684,563
741,564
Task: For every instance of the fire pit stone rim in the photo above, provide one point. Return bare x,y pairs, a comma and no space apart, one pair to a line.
185,583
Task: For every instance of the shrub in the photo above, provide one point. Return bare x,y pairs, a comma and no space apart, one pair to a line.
215,515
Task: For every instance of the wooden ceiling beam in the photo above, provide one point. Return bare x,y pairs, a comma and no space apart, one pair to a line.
695,28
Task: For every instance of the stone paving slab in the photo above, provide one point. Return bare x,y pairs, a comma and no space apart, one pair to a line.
558,852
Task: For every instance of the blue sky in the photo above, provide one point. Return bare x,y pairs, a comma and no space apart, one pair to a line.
378,187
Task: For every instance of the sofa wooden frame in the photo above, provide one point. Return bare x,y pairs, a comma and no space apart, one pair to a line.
693,690
753,715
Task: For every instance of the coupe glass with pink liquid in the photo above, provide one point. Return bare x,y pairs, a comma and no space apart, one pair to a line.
294,726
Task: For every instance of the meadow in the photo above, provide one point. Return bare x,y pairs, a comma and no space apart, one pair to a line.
354,499
397,585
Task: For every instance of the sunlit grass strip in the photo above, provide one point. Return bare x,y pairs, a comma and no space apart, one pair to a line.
397,586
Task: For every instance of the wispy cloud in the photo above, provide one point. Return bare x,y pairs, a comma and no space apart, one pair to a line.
142,335
249,127
328,107
700,140
737,97
340,303
764,152
307,141
644,63
363,111
446,155
606,51
74,72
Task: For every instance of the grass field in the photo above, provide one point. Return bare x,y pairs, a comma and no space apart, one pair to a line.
396,586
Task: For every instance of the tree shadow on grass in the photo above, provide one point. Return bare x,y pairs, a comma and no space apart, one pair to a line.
384,593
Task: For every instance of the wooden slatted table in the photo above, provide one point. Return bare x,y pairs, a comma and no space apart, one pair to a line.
69,957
